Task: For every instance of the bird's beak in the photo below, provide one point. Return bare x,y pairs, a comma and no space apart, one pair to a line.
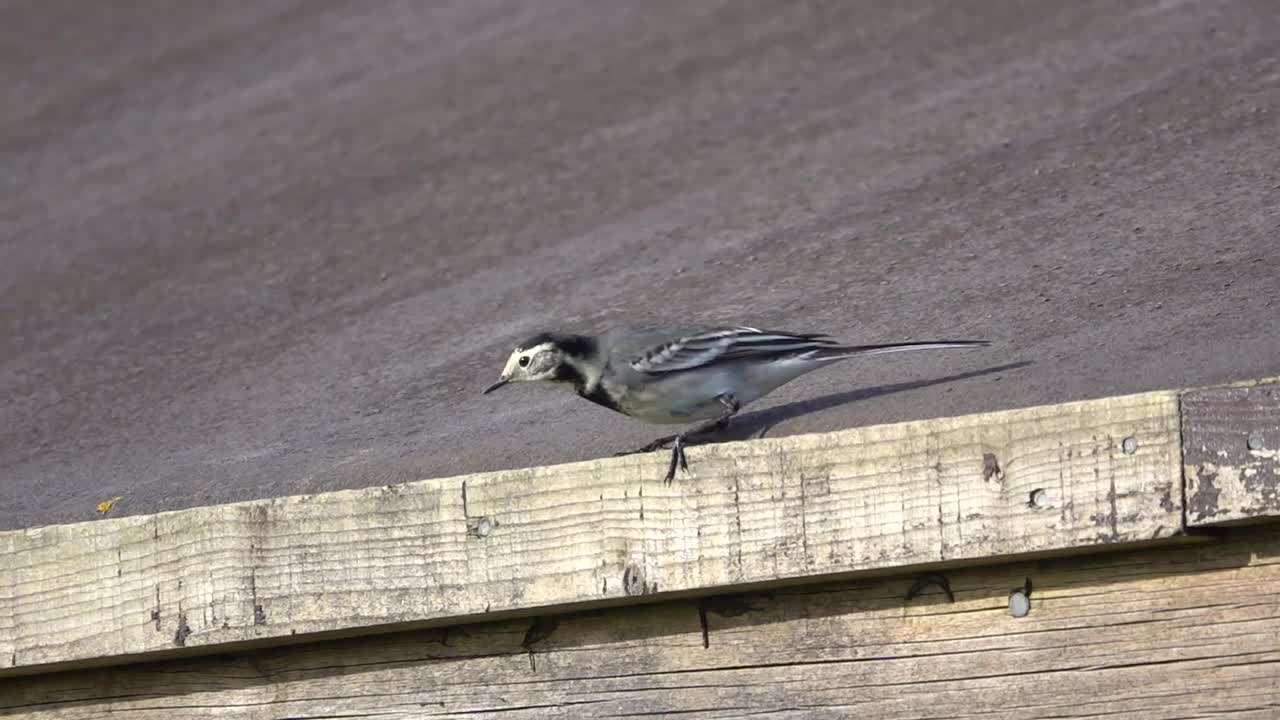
501,381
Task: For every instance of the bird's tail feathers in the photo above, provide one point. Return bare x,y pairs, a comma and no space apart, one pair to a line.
840,352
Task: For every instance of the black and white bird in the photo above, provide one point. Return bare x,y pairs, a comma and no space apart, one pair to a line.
683,376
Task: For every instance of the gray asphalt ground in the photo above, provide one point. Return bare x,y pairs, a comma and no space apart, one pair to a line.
278,247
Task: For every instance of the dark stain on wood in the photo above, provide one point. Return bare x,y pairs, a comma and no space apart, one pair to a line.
1202,501
541,629
733,605
183,632
991,467
635,581
702,623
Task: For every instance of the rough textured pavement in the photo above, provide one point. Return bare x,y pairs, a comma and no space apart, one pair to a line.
279,248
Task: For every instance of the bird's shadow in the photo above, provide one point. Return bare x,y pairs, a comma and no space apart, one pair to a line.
756,424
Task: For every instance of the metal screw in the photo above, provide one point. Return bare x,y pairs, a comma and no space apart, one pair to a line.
481,526
1019,604
1129,445
1255,441
1039,498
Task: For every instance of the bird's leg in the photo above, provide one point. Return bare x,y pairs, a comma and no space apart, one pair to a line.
677,458
731,407
716,425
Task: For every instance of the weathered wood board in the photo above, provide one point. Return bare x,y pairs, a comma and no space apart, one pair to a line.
1231,454
1063,478
1156,634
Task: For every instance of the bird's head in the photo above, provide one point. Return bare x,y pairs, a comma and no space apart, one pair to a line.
546,357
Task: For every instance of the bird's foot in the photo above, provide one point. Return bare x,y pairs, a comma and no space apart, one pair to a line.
678,442
678,459
658,444
668,440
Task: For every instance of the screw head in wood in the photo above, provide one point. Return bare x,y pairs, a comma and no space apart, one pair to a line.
1019,604
1039,498
482,526
1129,445
1255,441
1020,599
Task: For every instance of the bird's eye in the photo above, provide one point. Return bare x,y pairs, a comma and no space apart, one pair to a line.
524,361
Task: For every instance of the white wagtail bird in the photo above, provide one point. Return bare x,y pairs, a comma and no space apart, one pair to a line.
682,377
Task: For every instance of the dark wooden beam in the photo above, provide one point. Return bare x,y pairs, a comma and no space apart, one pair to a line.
1231,454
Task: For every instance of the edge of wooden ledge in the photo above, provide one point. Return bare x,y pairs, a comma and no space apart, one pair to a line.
1004,486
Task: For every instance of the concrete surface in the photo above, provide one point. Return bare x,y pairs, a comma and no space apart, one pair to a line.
279,247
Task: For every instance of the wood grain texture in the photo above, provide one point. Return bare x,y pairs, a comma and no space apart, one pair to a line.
976,488
1231,454
1156,634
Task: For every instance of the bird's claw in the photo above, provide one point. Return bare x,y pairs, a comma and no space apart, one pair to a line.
659,444
678,459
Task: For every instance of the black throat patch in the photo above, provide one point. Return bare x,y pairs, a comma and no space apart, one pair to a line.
598,396
576,348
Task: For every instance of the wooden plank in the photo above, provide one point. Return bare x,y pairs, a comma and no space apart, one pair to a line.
1048,479
1231,454
1163,633
979,487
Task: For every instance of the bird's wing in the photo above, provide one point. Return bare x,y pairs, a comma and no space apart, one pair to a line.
696,350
